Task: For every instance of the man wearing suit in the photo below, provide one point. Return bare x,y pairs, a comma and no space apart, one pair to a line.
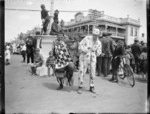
30,47
110,51
136,50
103,58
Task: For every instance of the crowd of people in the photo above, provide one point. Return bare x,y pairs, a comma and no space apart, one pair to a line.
97,54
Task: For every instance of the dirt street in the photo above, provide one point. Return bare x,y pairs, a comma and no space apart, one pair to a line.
31,94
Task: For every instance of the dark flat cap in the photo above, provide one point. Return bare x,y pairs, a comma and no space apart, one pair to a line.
106,34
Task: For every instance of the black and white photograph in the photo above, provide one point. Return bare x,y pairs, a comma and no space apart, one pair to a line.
75,56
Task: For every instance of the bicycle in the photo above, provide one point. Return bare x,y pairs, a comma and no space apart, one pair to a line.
127,72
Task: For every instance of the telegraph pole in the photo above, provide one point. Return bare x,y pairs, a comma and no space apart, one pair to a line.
94,14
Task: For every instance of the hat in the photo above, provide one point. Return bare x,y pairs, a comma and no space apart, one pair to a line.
142,42
136,39
96,31
120,42
106,34
7,48
42,6
109,34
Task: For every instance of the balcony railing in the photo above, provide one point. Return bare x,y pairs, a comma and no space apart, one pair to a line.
117,34
120,34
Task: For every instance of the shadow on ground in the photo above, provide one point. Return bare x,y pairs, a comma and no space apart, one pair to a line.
140,79
54,87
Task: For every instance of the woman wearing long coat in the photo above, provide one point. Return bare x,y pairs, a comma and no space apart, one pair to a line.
118,53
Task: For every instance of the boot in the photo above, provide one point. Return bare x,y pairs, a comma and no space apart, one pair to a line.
79,90
60,87
92,90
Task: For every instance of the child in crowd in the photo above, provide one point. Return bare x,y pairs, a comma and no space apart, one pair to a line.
7,56
129,57
143,63
50,63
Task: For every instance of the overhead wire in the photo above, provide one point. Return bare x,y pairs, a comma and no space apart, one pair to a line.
39,10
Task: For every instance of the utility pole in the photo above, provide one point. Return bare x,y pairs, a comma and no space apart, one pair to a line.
51,13
94,14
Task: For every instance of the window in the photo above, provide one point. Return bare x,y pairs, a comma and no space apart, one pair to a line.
135,31
131,34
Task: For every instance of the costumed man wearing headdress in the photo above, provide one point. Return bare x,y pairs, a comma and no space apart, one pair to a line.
89,49
63,62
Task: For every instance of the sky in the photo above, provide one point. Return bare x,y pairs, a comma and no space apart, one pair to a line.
20,21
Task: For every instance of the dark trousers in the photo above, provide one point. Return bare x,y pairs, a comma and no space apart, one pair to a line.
45,25
137,65
115,66
23,55
105,65
99,66
108,64
30,56
102,66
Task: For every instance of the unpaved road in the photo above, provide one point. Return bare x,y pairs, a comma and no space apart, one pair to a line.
30,94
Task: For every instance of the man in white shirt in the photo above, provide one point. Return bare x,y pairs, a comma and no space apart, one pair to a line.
23,52
89,48
7,56
14,48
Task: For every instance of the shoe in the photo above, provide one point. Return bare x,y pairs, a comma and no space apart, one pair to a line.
92,90
79,90
111,79
105,75
115,81
100,75
60,87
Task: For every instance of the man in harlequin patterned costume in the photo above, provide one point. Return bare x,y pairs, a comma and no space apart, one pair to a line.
63,62
89,49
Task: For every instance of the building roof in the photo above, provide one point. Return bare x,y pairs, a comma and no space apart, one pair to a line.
119,21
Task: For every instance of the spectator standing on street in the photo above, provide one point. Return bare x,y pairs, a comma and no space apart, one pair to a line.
118,53
136,50
143,63
38,61
110,51
50,63
102,60
130,55
142,45
7,56
30,49
23,52
14,47
89,49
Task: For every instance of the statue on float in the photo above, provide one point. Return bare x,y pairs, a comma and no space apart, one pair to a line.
55,27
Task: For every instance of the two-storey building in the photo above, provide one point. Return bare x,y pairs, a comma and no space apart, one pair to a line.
120,28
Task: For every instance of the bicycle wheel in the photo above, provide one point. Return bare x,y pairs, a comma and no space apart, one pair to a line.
130,76
121,75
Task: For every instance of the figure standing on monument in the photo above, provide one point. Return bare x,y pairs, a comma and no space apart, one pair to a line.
54,27
45,19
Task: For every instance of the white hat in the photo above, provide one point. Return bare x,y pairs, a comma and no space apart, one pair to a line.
96,31
7,47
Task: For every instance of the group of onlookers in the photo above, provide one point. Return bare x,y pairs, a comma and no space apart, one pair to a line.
94,54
